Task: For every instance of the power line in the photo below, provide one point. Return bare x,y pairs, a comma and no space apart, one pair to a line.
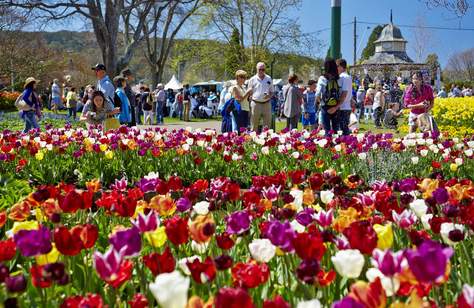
421,27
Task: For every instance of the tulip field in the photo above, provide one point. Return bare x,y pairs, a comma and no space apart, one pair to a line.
193,219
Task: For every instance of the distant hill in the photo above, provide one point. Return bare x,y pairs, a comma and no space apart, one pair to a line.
204,64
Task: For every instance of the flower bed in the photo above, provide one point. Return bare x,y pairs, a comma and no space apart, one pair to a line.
292,239
7,100
455,115
79,155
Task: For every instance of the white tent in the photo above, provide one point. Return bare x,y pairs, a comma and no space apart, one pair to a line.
173,84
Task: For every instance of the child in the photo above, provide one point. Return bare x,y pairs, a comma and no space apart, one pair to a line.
390,119
71,103
310,109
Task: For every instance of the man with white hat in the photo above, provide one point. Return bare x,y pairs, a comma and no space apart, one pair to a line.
160,97
262,90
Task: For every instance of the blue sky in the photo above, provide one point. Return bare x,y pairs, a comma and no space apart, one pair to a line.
316,14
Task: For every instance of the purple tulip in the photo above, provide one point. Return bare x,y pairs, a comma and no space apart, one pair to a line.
33,242
271,193
16,284
129,239
183,204
428,262
441,195
323,218
405,219
388,262
305,217
147,185
108,264
280,234
347,302
342,242
407,185
238,222
4,272
146,223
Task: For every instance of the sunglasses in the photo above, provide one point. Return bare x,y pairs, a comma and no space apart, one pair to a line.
261,69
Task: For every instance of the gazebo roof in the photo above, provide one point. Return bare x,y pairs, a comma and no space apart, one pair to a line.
389,58
390,33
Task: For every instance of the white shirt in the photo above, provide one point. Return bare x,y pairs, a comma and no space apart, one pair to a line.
346,86
260,87
377,100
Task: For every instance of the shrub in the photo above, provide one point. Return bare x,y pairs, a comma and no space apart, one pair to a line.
7,100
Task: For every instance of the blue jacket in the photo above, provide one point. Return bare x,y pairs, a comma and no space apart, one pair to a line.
125,116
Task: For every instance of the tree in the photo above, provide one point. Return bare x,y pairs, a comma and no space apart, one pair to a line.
422,39
459,7
234,54
107,18
264,26
164,23
369,49
432,62
461,65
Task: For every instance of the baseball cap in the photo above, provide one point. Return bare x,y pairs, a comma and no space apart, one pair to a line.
99,67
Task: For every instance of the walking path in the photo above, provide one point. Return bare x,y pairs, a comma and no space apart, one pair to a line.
211,124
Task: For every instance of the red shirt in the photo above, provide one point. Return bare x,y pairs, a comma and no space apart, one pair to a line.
425,94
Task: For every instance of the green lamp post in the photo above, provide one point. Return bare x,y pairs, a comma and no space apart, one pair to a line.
335,51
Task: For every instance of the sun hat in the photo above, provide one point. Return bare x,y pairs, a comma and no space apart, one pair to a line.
30,80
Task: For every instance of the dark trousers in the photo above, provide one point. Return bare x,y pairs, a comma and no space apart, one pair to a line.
292,123
344,119
378,116
330,121
72,112
242,120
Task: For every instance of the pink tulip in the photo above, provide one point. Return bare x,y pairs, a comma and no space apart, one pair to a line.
324,218
405,219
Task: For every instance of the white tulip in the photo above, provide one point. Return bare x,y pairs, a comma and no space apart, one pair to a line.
265,150
171,290
326,196
448,227
419,207
314,303
348,263
295,225
295,155
184,267
201,208
425,220
458,161
200,248
414,160
262,250
424,152
362,156
298,199
390,284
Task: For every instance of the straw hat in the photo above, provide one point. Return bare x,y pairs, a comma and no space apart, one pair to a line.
30,80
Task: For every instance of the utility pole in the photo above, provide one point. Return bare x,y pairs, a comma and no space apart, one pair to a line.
335,51
355,41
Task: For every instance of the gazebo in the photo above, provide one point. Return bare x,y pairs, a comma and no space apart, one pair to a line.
390,59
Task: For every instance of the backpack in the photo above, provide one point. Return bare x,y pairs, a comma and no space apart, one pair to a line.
331,95
117,101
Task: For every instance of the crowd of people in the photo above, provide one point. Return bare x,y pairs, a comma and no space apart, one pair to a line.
336,102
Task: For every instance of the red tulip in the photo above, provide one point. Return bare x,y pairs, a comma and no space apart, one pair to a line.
160,263
87,233
177,231
67,242
90,301
362,236
309,245
139,301
224,241
7,250
202,272
38,278
250,275
277,302
233,298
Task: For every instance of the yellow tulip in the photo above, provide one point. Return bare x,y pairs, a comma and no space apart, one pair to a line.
453,167
50,257
384,236
156,238
109,154
25,225
39,155
103,147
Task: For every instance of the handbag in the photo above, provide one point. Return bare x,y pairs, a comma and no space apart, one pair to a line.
21,105
111,123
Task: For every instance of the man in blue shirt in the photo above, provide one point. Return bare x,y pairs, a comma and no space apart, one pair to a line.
104,84
310,109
